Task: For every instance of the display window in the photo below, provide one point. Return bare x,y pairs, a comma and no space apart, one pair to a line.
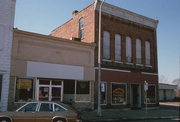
24,90
118,93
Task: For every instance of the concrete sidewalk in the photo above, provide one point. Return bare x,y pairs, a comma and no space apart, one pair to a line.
119,115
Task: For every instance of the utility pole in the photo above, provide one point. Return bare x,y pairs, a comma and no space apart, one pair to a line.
99,61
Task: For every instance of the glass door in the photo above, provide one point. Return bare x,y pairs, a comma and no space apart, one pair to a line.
50,90
56,94
44,94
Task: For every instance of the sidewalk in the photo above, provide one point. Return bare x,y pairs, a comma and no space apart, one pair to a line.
109,115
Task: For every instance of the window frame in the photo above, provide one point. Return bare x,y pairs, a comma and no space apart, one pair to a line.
81,28
89,95
148,54
118,48
138,51
106,45
155,95
128,44
125,94
33,89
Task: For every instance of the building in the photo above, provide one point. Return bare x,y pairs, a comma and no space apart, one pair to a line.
129,53
167,92
7,10
46,68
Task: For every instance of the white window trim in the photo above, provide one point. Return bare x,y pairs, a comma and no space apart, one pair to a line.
106,60
148,65
128,63
105,91
50,86
120,48
111,93
155,96
139,65
117,70
105,33
88,101
119,62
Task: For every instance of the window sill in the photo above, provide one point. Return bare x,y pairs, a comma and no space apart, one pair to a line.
139,65
106,60
129,63
119,62
148,66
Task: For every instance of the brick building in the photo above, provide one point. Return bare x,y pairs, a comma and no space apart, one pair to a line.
129,53
46,68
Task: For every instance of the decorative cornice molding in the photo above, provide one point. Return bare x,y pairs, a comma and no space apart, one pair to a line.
128,15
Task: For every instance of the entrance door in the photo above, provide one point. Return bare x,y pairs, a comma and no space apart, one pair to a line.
135,95
56,94
50,90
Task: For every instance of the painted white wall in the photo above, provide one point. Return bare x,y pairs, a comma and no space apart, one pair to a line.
60,71
7,11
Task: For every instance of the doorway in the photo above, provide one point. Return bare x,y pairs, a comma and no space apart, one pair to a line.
136,96
50,90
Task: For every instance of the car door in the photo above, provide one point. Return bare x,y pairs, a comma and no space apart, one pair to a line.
26,113
45,112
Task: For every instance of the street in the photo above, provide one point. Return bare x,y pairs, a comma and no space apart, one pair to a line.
167,112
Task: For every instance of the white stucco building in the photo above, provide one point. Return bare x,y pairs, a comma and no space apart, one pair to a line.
7,12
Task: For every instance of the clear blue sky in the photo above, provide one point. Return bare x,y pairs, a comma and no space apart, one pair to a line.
42,16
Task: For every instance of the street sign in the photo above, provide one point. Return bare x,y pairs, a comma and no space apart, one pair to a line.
145,86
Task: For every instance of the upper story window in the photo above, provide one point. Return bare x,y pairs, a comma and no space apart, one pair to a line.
106,45
117,47
138,51
81,28
148,53
128,50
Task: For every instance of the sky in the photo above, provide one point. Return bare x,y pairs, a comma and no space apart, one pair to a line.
42,16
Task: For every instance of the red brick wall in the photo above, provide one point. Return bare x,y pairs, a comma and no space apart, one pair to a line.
127,77
115,25
71,28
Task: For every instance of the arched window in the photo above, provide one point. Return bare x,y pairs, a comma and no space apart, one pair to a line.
117,47
148,53
128,50
81,28
106,45
138,51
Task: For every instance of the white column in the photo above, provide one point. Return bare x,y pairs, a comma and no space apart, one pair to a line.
7,10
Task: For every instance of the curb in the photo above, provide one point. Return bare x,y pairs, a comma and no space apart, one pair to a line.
145,118
130,119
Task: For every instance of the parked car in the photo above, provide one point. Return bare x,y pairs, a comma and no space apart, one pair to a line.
41,112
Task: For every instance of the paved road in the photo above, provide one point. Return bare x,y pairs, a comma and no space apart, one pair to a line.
165,110
157,120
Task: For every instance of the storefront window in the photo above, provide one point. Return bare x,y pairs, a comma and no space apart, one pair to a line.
118,93
0,84
82,87
82,91
24,90
151,94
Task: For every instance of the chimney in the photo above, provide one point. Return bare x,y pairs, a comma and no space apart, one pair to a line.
74,13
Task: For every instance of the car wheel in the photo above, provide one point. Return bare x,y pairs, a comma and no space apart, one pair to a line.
59,120
5,119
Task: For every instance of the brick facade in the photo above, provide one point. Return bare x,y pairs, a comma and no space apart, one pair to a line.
127,24
71,28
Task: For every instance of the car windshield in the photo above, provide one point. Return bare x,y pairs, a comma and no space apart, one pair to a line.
31,107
